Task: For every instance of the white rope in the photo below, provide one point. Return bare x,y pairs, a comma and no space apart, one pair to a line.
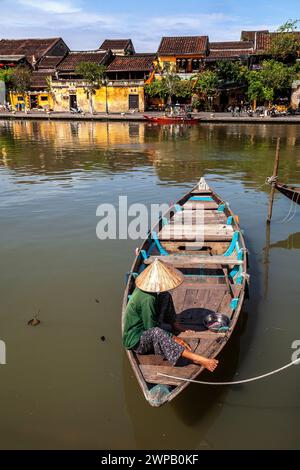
291,214
295,209
259,377
271,180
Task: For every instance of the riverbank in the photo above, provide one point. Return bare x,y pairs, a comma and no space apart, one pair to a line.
139,117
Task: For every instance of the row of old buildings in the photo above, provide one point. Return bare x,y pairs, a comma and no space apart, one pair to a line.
56,85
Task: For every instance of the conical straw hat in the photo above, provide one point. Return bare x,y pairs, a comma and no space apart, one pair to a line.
159,277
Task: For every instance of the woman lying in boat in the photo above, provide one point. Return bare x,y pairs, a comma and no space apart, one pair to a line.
147,313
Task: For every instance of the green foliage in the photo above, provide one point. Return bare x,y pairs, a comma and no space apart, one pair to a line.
273,78
284,46
169,86
155,89
92,73
20,79
288,27
5,75
206,83
229,71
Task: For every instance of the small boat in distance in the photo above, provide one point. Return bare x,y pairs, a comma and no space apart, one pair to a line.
179,119
291,192
215,279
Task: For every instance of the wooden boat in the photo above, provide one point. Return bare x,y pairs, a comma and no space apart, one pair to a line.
215,281
172,119
291,192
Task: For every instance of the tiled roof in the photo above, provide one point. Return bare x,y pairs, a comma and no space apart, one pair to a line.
231,45
11,58
183,45
250,35
263,40
49,62
227,54
133,63
70,62
27,47
38,79
115,44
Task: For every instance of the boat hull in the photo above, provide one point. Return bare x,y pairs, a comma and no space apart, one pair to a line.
170,120
205,289
289,191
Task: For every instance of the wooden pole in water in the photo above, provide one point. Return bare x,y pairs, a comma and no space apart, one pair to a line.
275,173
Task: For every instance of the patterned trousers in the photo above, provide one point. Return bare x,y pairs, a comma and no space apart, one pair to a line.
157,340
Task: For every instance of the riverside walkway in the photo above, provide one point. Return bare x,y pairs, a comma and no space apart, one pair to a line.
139,117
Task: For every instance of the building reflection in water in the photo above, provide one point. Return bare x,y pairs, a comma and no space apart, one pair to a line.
246,150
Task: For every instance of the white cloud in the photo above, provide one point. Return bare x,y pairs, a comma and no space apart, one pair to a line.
50,6
86,29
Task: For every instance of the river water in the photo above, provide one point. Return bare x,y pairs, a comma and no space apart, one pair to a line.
64,387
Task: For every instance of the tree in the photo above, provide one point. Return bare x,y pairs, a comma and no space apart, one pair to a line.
20,81
272,79
284,45
206,86
155,89
5,75
229,71
50,88
93,74
170,82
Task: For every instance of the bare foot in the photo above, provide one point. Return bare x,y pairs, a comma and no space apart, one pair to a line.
210,364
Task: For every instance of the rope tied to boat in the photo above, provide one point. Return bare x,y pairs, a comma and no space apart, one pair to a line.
236,382
293,209
271,180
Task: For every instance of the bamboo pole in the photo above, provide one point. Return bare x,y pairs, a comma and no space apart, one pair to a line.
275,173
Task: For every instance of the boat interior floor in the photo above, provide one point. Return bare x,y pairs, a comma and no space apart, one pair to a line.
193,300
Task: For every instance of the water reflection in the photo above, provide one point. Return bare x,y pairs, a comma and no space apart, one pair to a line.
290,243
53,175
60,147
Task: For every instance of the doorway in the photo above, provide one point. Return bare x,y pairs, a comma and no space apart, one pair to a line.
134,102
33,101
73,102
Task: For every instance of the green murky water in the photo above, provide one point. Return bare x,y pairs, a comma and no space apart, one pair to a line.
63,387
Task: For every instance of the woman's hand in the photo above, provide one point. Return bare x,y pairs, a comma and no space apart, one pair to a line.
182,343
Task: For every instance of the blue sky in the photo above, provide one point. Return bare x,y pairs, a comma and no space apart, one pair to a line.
85,23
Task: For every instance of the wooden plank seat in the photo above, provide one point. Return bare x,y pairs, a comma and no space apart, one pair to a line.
206,205
192,217
193,232
182,261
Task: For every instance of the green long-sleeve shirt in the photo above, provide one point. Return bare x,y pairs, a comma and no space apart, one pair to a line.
141,314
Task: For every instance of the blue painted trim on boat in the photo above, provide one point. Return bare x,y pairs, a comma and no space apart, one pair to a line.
221,208
201,198
144,254
230,220
178,208
164,220
234,271
162,251
232,246
234,303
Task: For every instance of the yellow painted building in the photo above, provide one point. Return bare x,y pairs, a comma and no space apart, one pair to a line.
183,54
114,98
123,90
31,100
